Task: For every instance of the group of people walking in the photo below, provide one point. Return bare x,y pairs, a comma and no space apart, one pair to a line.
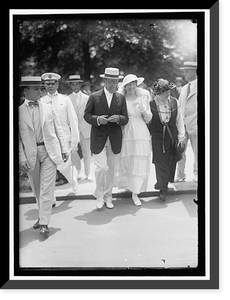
121,125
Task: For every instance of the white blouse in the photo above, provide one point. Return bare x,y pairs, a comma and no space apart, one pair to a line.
165,115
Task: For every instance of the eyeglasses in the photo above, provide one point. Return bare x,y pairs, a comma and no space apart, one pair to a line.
50,83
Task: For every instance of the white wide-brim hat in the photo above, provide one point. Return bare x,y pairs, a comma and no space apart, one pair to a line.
111,73
131,77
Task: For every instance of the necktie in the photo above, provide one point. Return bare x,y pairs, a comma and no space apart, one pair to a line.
32,103
188,91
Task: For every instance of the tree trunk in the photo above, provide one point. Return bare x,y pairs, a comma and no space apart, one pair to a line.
86,58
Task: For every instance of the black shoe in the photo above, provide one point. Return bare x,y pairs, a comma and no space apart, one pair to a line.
44,229
36,225
61,182
162,197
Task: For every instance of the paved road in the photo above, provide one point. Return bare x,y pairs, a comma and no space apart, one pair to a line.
153,235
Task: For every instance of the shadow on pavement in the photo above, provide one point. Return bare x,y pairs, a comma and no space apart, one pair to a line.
30,235
32,214
104,216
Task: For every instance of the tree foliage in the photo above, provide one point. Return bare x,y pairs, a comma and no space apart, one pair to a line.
151,48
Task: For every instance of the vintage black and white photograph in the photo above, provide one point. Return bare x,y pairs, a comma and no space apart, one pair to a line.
111,177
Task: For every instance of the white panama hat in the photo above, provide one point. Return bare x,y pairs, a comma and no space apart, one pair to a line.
31,81
111,73
75,78
131,77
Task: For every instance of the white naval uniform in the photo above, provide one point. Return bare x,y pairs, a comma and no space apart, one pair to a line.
64,109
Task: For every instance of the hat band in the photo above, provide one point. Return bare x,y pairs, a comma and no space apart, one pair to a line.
110,75
31,83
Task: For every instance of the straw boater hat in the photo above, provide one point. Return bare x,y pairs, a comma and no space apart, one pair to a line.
50,77
31,81
189,65
74,78
162,85
129,78
111,73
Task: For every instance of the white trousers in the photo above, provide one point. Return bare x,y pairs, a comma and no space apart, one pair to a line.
182,162
86,153
42,180
104,171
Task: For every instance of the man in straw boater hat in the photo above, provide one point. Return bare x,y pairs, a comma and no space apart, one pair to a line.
42,147
175,92
64,109
188,102
106,111
79,100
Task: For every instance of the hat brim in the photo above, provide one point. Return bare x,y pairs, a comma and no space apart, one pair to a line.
31,85
139,81
111,77
75,80
188,68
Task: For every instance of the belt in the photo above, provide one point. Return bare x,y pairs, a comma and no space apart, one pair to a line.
40,144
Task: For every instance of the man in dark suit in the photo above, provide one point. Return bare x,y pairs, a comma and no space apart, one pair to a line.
106,111
175,92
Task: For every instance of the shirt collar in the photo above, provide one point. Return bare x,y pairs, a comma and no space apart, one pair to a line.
193,82
27,101
77,94
53,95
107,93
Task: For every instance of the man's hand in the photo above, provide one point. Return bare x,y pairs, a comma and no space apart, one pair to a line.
24,166
114,119
65,156
103,119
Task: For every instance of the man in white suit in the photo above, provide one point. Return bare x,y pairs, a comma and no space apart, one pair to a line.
42,147
63,107
188,102
79,100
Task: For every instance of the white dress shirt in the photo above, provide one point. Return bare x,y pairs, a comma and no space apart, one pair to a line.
108,96
35,117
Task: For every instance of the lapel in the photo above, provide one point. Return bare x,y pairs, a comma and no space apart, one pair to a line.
25,115
41,111
103,100
192,91
114,102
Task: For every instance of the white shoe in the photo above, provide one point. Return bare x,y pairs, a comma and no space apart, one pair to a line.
109,203
75,186
79,175
136,200
99,203
89,177
195,178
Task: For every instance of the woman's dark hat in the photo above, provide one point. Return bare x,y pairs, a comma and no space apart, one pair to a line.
162,85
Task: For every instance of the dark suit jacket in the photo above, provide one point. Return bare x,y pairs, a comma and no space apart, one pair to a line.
174,93
96,106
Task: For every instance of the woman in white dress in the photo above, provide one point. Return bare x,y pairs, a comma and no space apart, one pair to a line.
135,157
